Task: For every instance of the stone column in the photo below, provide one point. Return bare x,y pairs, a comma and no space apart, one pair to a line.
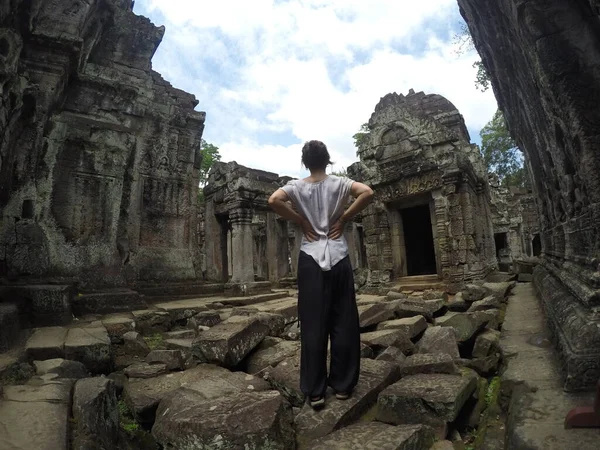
213,244
277,247
242,249
398,246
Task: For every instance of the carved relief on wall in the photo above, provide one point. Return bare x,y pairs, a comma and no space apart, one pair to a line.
165,213
413,185
82,205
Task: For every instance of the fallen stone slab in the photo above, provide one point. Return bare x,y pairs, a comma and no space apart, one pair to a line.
457,303
486,343
152,320
499,290
231,341
374,313
183,345
62,367
285,377
464,324
46,343
493,317
145,370
210,381
135,345
270,352
173,359
393,295
207,318
379,340
377,435
392,354
90,346
366,351
274,322
473,292
439,340
95,413
489,302
181,334
257,420
45,411
374,377
412,326
429,363
117,326
430,399
184,309
483,366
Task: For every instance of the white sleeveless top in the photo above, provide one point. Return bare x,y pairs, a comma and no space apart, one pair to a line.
322,204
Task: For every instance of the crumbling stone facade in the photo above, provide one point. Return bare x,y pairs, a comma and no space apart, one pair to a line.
431,214
245,242
516,223
543,58
99,155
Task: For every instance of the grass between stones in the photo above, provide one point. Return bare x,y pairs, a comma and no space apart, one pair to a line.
155,342
126,420
491,420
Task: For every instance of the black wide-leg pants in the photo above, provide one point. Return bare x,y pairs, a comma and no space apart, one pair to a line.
327,310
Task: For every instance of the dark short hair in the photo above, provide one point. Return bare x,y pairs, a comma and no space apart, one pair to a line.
315,155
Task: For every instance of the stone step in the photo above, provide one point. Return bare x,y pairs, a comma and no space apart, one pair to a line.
377,435
41,305
178,290
110,301
35,417
418,283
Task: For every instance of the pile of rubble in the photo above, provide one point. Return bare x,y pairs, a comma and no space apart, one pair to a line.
224,373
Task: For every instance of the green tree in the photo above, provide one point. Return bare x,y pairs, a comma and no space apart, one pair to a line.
210,154
501,154
360,138
464,42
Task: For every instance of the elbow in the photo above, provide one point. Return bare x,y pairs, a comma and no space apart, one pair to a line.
272,201
369,194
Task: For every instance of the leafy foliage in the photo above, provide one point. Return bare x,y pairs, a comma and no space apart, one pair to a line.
210,154
360,138
464,42
501,154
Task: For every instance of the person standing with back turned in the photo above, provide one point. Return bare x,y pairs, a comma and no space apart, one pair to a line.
326,298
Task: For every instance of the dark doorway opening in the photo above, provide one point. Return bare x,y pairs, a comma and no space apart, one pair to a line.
418,241
362,262
536,245
501,242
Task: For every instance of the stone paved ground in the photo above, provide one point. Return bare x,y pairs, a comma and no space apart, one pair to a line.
538,405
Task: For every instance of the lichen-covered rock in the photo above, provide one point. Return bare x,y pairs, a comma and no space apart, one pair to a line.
117,326
392,354
207,318
499,290
376,435
230,341
249,420
372,314
46,343
464,324
473,292
439,340
285,377
486,343
270,352
96,414
430,399
489,302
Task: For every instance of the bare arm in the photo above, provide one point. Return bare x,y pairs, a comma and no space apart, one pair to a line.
363,195
279,203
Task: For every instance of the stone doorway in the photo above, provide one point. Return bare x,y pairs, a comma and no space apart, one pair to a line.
418,240
501,242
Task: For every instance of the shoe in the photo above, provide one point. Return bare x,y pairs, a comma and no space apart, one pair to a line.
342,395
317,403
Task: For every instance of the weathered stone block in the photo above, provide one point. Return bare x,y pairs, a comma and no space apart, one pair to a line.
173,359
379,340
270,352
42,305
377,435
90,346
392,354
439,340
135,345
112,301
230,341
262,420
486,343
412,326
464,324
117,326
145,370
473,293
63,368
429,363
46,343
9,325
489,302
372,314
96,413
430,399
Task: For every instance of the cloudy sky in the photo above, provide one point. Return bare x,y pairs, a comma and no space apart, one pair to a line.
271,74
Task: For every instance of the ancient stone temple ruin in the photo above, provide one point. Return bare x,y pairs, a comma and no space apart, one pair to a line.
99,157
431,215
515,222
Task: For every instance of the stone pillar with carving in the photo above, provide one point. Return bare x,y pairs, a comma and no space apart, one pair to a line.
277,247
242,246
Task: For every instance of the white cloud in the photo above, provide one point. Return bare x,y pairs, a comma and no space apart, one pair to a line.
260,69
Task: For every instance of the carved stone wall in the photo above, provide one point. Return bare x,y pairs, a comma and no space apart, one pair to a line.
418,153
544,62
99,155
